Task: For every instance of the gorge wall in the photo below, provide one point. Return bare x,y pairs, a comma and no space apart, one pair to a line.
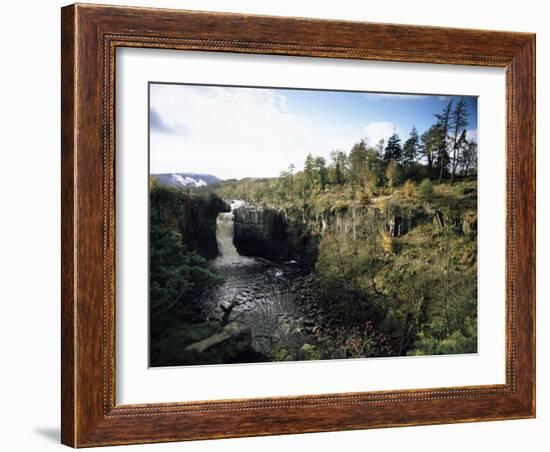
198,225
261,232
194,217
292,234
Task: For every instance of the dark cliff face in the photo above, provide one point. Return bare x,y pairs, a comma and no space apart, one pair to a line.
194,217
292,234
399,221
261,232
198,225
276,235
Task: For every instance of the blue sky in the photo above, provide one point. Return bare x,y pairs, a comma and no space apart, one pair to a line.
235,132
356,109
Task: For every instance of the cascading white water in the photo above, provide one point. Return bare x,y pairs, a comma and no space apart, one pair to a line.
256,293
225,229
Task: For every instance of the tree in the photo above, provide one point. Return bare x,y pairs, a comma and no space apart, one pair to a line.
285,186
411,148
393,174
339,167
443,122
346,258
469,158
304,191
430,144
393,149
174,271
358,163
375,169
309,168
379,148
458,120
458,149
306,182
320,166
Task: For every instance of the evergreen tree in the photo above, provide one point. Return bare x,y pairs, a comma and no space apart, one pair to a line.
175,270
375,170
320,166
411,148
393,149
338,167
309,169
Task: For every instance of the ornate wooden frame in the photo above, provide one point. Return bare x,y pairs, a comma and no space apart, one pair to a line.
90,35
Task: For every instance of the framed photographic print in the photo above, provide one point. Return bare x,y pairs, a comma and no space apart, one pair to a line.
281,225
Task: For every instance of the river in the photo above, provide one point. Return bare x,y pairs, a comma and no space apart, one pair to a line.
258,293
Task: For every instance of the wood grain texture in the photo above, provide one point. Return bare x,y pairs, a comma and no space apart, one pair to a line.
90,36
68,244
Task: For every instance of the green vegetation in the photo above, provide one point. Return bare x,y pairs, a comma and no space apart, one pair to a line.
176,273
394,229
207,342
389,231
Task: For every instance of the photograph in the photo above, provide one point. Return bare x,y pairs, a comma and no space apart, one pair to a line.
267,224
303,224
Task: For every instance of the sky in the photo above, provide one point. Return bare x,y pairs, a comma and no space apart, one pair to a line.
237,132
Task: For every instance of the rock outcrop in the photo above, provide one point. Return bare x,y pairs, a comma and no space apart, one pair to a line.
233,338
294,234
198,225
191,215
261,232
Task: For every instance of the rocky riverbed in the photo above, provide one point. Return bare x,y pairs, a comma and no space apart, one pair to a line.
273,301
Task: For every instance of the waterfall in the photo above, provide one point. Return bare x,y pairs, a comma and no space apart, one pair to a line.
225,228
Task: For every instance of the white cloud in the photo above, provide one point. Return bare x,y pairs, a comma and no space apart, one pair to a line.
234,132
375,131
471,135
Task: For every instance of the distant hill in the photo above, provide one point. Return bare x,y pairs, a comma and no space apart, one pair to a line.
180,180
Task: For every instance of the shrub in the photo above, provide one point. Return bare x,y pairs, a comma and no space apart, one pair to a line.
393,174
426,188
409,188
456,343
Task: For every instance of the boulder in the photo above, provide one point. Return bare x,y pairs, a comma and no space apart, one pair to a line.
233,338
204,343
